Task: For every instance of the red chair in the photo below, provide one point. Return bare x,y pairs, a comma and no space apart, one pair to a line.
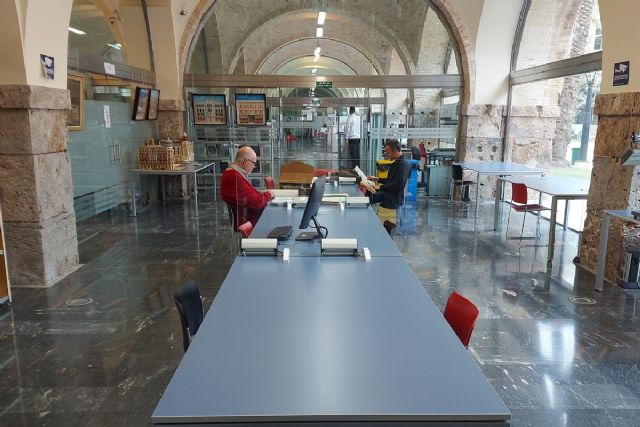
269,182
461,315
520,203
291,138
246,229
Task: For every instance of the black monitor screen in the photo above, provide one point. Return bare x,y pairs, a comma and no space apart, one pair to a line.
313,204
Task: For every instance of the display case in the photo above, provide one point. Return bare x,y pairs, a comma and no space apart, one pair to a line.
219,144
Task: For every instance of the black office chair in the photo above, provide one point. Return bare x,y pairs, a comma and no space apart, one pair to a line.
457,180
189,305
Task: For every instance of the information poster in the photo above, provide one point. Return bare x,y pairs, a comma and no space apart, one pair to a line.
621,73
251,109
209,109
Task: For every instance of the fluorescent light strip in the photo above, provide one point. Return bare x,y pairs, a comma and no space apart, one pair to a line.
77,31
321,17
317,51
319,32
115,46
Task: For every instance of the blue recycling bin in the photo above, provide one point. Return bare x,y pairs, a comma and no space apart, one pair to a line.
412,185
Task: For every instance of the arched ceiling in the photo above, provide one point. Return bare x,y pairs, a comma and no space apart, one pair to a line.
324,66
254,36
340,51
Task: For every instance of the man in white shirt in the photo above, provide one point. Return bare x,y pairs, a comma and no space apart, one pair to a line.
352,136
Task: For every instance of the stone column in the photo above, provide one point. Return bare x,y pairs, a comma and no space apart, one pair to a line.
171,124
35,185
482,133
613,186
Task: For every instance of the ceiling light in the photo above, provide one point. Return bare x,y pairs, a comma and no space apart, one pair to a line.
77,31
115,46
321,17
317,51
314,71
319,32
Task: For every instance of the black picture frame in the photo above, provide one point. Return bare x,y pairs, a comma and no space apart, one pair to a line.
251,109
141,103
209,109
154,100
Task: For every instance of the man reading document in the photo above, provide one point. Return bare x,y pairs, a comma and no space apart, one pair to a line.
390,194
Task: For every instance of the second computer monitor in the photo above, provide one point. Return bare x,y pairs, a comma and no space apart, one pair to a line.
311,209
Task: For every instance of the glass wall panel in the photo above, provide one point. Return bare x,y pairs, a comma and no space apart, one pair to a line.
553,126
559,29
119,37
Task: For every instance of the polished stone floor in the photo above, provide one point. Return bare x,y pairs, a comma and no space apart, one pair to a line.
99,347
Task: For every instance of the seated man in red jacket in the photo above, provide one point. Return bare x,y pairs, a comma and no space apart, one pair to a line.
245,201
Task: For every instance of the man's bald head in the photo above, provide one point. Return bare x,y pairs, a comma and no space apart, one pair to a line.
245,152
246,159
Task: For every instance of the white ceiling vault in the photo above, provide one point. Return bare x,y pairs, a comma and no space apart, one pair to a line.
361,37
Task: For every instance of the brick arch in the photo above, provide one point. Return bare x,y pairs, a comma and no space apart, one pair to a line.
444,8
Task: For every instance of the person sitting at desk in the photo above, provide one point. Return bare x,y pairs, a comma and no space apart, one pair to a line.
236,190
391,193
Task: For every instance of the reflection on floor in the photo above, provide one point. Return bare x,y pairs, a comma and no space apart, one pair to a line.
100,346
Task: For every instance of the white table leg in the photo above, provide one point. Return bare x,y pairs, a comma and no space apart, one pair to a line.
477,190
602,254
133,195
195,192
552,232
496,212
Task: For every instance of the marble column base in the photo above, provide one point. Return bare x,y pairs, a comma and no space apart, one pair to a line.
35,183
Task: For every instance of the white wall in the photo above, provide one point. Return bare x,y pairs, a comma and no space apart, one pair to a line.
493,50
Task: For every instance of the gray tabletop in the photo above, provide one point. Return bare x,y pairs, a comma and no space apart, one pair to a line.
326,339
353,190
555,185
181,170
361,223
501,168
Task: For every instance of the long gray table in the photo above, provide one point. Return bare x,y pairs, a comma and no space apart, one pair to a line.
354,222
331,339
498,169
625,215
559,188
189,169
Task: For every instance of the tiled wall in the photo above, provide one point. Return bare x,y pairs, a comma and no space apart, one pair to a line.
100,180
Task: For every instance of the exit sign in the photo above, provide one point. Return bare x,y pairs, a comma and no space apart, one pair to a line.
324,85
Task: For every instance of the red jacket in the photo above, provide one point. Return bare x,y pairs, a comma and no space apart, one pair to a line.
245,201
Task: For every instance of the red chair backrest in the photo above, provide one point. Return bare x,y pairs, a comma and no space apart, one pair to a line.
269,182
246,229
519,193
461,315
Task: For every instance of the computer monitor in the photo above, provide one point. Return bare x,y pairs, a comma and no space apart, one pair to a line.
311,211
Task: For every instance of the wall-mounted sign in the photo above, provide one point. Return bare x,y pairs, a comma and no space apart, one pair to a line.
109,68
325,85
621,73
47,66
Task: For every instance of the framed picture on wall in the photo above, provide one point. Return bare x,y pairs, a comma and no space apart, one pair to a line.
251,109
141,104
209,109
154,98
75,115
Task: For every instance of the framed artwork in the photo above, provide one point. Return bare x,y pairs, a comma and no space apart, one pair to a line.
141,104
154,98
209,109
251,109
75,115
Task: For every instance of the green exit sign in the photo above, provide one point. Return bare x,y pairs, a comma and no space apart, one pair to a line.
324,85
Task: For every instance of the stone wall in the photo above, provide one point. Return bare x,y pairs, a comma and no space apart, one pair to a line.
531,135
35,185
613,186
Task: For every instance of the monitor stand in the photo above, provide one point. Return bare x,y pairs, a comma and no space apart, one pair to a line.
310,235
